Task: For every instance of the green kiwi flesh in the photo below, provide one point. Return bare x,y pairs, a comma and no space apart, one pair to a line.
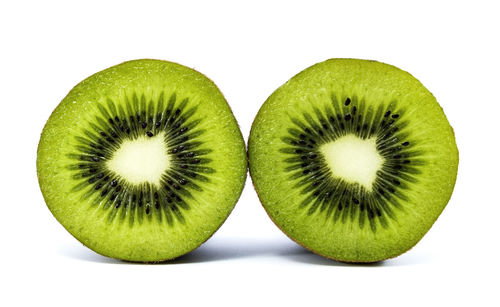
142,161
353,159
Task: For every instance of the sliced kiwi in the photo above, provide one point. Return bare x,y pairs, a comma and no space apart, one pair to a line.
142,161
353,159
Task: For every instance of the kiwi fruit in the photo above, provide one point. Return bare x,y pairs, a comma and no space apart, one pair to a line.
142,161
353,159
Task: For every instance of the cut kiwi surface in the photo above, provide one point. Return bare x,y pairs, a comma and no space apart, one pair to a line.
353,159
142,161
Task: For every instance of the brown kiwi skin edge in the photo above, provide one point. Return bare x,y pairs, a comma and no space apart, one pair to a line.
166,261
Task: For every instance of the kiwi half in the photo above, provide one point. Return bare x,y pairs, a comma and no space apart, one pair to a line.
142,161
353,159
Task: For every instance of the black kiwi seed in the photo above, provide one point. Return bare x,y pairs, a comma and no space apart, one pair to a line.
97,145
304,145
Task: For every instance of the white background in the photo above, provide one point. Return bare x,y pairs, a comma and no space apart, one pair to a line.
249,49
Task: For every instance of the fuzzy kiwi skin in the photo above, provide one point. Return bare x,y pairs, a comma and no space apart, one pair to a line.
257,162
54,143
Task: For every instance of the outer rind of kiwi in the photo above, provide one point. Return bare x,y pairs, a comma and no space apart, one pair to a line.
366,79
151,243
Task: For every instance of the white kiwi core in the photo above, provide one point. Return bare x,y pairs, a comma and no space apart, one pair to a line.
142,160
353,159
